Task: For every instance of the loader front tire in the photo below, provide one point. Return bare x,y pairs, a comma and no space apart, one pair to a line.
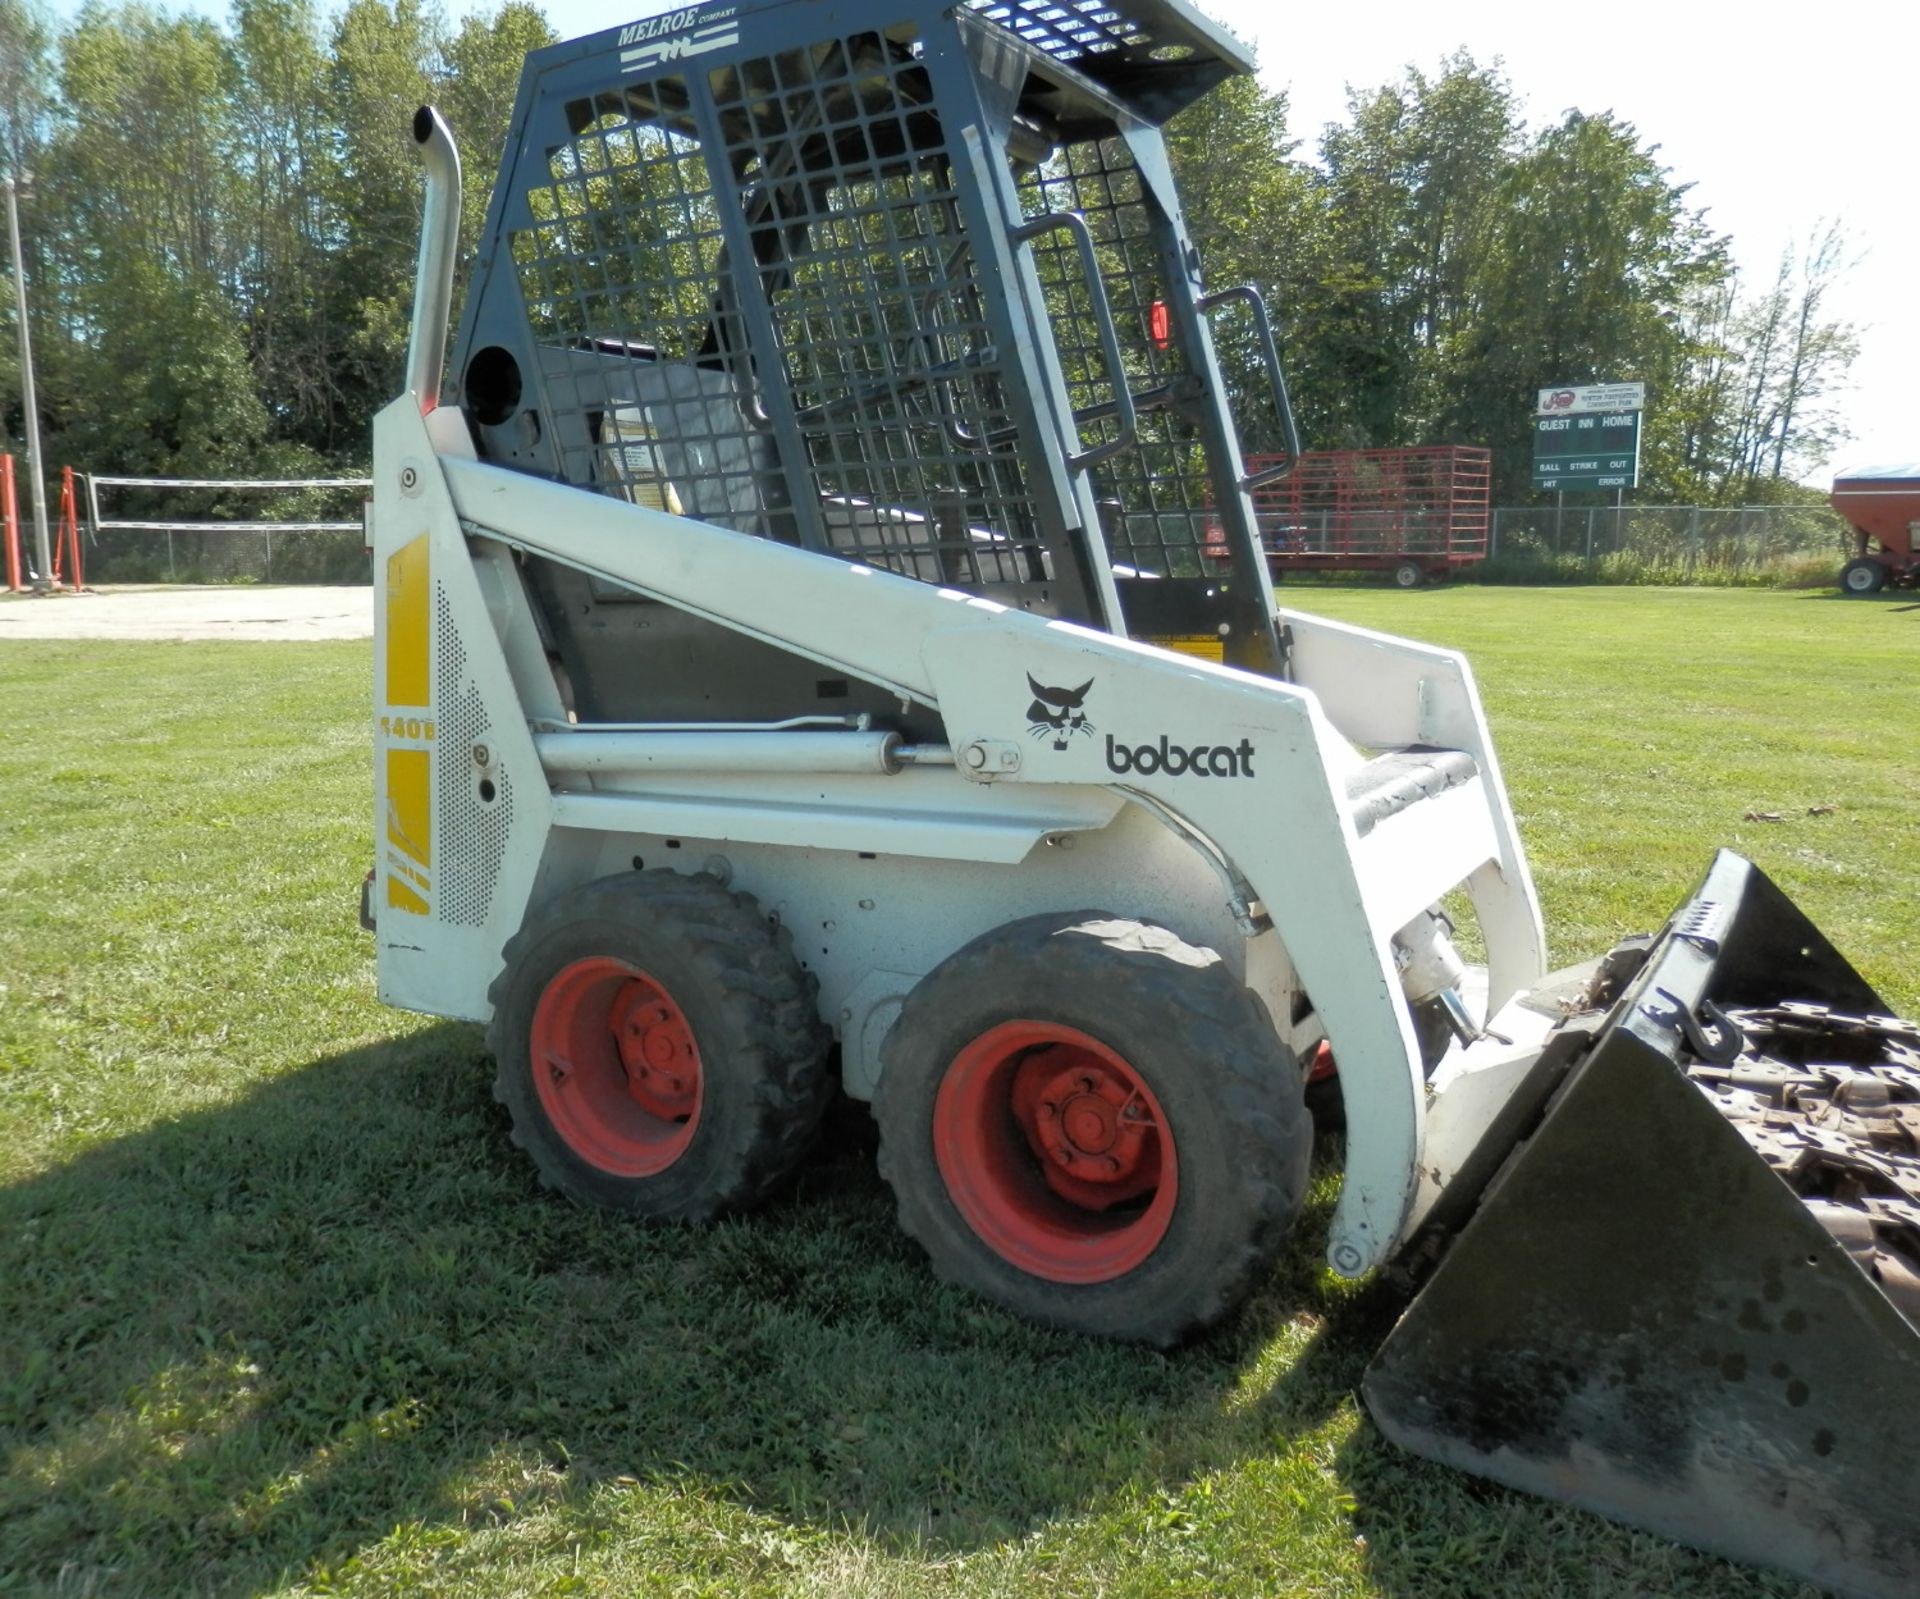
1091,1122
659,1049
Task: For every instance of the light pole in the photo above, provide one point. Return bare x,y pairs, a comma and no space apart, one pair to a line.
42,550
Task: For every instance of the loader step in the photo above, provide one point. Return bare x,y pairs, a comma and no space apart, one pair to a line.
1389,783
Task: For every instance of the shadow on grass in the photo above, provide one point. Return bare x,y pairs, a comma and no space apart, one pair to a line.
245,1343
1894,600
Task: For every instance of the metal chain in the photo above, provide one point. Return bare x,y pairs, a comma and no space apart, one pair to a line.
1831,1102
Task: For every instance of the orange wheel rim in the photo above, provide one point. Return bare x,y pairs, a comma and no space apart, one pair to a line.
616,1067
1056,1152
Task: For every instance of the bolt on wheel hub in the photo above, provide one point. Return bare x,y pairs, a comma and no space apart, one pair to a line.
621,1079
1087,1124
1055,1152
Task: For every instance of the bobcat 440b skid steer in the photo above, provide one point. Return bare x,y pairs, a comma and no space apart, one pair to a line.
796,654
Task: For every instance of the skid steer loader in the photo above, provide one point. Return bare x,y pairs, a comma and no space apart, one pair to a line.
797,662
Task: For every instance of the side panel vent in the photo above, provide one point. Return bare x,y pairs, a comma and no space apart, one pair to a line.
476,801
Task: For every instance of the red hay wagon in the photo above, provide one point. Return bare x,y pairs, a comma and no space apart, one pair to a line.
1882,503
1418,513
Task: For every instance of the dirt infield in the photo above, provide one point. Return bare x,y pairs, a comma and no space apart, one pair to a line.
174,612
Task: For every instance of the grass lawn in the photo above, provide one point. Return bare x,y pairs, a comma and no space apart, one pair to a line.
281,1311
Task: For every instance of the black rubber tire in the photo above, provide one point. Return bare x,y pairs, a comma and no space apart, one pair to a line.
1327,1105
1230,1090
1864,576
1409,575
1326,1100
748,1003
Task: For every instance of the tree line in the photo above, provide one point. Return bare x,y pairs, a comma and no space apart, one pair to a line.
220,219
1439,263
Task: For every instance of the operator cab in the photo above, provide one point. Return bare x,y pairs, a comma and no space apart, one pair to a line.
916,294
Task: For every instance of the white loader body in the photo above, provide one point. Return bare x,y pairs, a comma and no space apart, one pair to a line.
485,807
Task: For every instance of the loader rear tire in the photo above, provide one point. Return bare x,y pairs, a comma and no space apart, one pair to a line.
1090,1121
660,1053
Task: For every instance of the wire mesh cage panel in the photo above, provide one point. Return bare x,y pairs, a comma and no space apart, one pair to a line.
1156,492
621,271
764,265
871,280
872,361
1068,30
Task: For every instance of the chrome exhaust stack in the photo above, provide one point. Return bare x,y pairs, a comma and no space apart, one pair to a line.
439,245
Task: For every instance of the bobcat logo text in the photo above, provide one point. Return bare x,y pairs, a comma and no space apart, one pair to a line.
1173,759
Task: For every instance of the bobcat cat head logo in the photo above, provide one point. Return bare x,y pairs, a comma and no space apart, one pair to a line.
1056,712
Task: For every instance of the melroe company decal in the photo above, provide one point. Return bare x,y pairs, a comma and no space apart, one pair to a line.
673,35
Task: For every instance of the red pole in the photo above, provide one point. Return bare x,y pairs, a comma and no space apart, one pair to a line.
70,523
12,513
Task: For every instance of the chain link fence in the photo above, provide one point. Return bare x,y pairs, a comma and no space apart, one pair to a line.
1667,542
227,555
181,530
1683,540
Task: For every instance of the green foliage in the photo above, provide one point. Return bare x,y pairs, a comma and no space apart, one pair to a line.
1441,262
221,237
170,379
481,76
1628,568
1412,184
1756,394
1589,247
220,243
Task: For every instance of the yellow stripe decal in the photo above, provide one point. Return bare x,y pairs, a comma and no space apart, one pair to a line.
409,804
1204,646
409,607
409,830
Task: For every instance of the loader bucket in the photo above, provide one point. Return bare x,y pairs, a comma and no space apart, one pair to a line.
1644,1319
